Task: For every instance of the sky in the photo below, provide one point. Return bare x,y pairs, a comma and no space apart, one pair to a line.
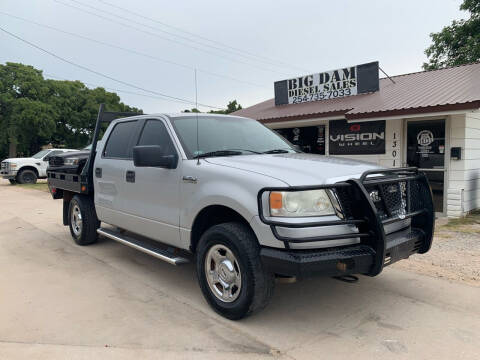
149,48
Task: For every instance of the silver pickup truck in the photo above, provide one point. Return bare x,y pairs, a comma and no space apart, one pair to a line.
243,204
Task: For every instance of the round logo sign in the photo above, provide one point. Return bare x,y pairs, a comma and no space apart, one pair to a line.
425,138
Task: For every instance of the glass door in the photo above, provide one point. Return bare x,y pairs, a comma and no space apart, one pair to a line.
426,150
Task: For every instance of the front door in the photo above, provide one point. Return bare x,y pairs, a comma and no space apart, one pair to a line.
155,192
426,150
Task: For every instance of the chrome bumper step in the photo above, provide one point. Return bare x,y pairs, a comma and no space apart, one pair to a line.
143,246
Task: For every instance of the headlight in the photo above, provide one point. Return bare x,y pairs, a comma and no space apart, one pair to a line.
71,161
13,166
300,203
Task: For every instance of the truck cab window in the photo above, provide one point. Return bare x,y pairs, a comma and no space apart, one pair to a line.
155,133
119,142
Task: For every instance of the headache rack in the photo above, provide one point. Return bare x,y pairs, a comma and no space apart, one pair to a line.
83,183
377,199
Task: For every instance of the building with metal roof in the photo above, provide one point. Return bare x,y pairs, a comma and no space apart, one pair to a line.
428,119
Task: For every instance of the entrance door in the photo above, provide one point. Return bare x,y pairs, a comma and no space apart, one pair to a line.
426,150
310,139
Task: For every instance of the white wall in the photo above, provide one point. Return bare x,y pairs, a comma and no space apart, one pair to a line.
464,175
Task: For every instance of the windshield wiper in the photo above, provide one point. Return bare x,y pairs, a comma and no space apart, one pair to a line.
218,153
276,151
252,151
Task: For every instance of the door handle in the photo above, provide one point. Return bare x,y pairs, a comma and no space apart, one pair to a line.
130,176
98,172
190,179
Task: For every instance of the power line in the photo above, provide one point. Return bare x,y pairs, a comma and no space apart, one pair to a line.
237,50
101,74
167,39
112,89
129,50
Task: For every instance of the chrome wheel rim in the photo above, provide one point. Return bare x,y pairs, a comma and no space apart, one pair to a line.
77,222
223,273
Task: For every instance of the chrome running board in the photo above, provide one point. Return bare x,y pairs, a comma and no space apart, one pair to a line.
143,246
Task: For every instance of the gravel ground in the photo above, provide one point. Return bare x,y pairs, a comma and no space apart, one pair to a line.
455,253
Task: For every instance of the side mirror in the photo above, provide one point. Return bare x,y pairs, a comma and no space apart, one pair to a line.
46,158
153,156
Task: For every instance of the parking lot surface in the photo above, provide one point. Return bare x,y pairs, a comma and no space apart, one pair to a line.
59,300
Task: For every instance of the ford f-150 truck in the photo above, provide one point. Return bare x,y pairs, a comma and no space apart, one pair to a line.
243,204
27,170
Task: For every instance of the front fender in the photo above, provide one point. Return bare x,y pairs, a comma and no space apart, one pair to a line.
230,195
220,185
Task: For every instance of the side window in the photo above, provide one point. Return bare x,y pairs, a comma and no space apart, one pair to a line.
54,152
119,144
155,133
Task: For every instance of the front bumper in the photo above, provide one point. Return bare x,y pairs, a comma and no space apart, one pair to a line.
6,170
355,259
8,174
399,195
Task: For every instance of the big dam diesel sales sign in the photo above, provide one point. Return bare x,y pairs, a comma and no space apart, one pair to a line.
325,85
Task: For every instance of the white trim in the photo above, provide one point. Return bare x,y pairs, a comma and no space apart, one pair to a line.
411,116
300,123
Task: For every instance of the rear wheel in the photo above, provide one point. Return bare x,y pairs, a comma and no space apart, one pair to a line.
82,220
230,272
27,176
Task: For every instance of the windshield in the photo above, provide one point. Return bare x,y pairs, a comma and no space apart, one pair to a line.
216,134
41,154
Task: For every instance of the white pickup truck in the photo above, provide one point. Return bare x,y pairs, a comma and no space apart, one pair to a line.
28,169
242,203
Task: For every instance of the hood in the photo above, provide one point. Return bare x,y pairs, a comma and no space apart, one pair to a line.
298,169
75,154
21,159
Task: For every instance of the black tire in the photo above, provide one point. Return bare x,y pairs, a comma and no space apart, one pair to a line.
12,181
27,176
85,234
257,285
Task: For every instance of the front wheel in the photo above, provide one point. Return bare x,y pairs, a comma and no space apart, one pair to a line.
230,272
27,176
82,220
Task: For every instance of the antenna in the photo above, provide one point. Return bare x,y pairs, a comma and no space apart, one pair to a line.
196,114
389,78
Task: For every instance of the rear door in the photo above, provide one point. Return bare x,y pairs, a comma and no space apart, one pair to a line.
112,163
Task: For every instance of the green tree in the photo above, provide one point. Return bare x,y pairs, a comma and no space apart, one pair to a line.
77,108
232,106
192,110
458,43
26,121
35,111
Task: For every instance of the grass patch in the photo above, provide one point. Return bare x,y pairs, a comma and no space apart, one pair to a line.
42,186
470,219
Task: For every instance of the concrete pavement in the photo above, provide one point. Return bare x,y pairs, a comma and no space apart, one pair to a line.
59,300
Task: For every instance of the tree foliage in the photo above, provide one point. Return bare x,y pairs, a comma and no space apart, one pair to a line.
232,106
35,111
458,43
